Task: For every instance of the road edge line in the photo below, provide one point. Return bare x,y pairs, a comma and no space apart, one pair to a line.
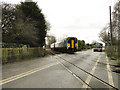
110,78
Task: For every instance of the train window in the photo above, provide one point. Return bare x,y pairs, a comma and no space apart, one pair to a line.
65,42
69,40
75,40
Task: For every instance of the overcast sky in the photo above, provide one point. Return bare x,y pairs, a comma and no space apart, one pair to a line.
83,19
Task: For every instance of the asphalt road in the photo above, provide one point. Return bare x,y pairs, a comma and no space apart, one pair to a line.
86,69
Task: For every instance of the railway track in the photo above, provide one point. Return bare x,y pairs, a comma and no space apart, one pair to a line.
92,75
101,66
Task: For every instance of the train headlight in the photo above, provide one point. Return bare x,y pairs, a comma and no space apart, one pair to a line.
68,45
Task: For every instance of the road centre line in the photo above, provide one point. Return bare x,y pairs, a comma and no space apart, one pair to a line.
92,72
109,72
26,73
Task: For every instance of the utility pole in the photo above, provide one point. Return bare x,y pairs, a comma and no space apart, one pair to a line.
110,33
110,26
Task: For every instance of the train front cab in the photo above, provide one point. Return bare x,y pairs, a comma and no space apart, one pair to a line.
72,45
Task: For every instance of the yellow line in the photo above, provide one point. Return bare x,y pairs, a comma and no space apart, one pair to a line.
92,72
109,73
26,73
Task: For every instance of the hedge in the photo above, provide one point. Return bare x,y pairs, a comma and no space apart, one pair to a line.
11,45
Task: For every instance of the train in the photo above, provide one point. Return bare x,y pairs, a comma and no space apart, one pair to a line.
68,45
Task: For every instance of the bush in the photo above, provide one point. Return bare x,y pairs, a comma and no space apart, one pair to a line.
11,45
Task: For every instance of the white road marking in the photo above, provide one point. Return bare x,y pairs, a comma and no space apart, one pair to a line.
109,73
92,72
84,53
26,73
73,74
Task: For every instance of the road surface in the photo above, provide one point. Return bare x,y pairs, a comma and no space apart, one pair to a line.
86,69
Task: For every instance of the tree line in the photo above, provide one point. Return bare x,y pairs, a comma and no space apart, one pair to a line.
82,45
24,23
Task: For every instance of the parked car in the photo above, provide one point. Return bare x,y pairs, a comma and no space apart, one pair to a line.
98,47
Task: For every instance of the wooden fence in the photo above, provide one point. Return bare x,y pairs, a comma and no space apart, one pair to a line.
112,51
18,54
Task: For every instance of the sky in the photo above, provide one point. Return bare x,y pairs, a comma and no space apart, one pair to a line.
83,19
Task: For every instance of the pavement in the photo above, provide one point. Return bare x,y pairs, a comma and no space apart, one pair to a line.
55,72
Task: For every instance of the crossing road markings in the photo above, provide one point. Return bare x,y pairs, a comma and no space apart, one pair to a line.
109,73
26,73
92,72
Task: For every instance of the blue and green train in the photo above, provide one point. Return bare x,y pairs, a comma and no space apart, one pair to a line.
69,45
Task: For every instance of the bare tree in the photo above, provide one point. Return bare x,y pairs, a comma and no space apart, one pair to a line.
103,35
94,41
51,39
